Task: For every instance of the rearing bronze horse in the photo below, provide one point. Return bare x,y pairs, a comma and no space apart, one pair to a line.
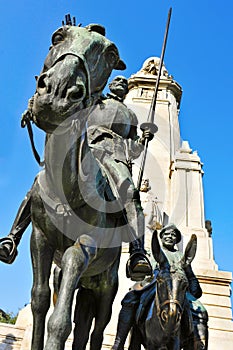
74,216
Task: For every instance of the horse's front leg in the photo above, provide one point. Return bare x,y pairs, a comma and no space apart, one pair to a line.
42,257
74,262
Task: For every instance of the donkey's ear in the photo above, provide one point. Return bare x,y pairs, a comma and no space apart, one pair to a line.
190,251
157,252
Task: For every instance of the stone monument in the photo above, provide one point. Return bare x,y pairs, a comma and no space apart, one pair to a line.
173,175
172,191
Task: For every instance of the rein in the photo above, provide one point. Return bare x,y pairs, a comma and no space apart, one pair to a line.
26,121
27,118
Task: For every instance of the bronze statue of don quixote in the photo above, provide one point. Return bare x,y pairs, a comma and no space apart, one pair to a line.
83,204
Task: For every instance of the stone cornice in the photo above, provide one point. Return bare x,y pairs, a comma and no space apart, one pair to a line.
223,278
148,82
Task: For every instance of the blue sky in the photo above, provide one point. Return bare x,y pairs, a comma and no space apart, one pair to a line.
199,55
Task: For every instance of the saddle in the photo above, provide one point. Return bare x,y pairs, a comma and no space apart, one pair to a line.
147,289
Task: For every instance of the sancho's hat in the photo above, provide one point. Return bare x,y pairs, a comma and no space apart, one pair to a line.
171,227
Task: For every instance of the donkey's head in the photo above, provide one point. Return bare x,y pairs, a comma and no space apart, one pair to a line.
172,283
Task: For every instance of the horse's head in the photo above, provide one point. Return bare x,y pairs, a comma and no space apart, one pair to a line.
75,71
172,284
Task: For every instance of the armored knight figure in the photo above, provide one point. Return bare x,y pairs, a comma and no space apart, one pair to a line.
112,135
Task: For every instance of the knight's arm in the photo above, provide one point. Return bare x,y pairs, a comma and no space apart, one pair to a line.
135,142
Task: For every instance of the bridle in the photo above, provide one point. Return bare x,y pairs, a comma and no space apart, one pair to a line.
88,101
161,314
166,302
26,121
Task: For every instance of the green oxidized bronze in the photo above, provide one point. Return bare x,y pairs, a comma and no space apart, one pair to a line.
83,203
164,311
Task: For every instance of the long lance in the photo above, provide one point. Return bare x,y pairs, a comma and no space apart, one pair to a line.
149,125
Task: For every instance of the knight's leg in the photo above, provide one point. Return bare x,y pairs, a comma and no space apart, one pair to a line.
8,245
83,316
138,265
74,262
126,319
42,256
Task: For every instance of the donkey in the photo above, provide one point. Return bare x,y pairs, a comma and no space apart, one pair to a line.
167,321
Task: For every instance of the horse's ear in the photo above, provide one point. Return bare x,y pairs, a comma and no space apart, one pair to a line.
190,251
120,65
157,252
98,28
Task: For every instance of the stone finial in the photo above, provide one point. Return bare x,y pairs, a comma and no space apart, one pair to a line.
185,148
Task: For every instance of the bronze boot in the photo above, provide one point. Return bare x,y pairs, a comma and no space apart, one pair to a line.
138,266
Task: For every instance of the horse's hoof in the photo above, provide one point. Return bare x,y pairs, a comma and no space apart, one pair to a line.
8,250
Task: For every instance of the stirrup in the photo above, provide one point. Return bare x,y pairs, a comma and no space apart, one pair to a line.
10,254
139,270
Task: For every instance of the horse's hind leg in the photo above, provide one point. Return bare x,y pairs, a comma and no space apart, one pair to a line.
104,298
102,318
74,262
83,317
41,261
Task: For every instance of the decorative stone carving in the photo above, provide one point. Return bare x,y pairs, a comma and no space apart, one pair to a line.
151,66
